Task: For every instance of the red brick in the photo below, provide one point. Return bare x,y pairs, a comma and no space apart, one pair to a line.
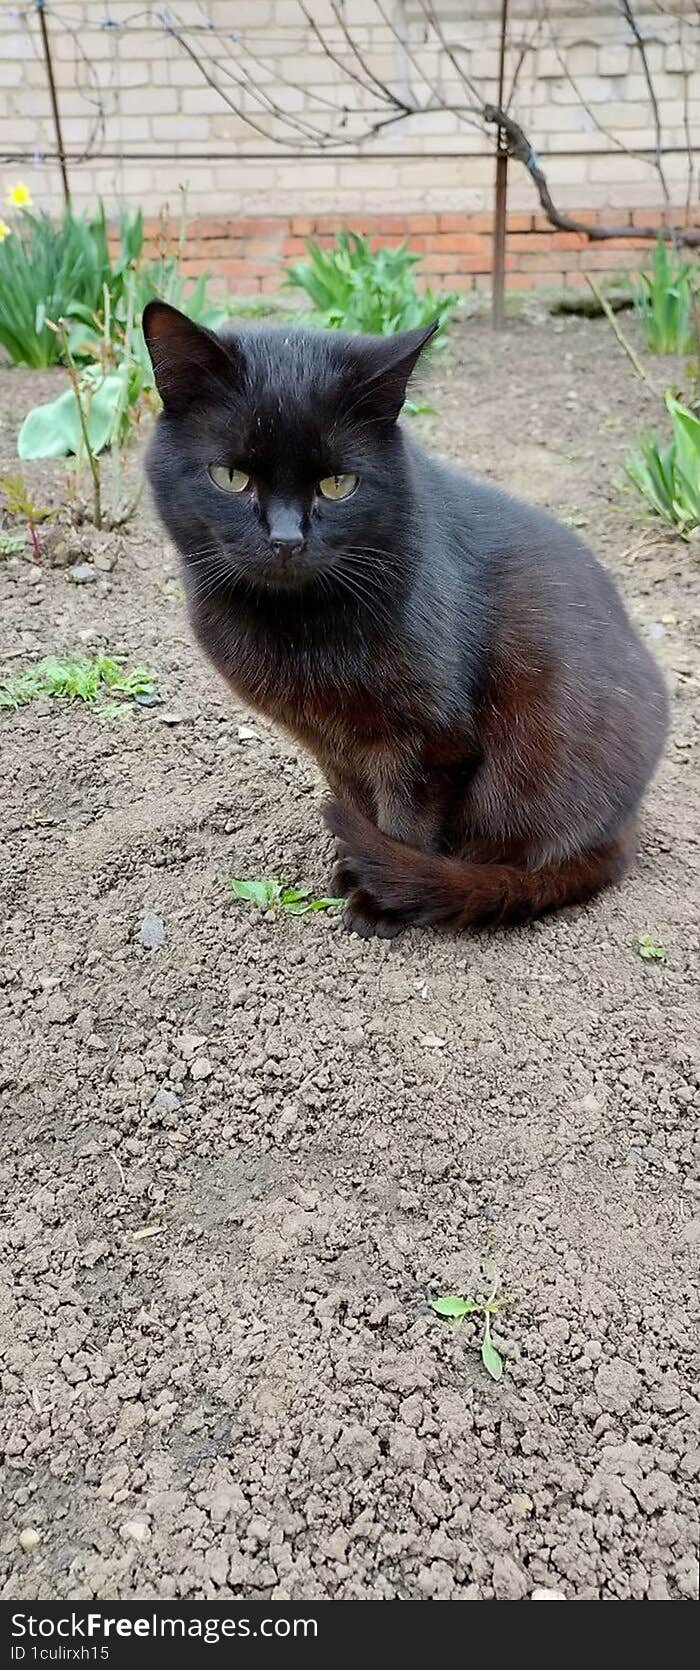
246,271
293,247
570,240
519,222
479,222
604,255
301,225
391,224
463,281
460,242
530,240
550,260
453,222
422,223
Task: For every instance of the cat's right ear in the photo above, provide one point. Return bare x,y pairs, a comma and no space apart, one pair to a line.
184,355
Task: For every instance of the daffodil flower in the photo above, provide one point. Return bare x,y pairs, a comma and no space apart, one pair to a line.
4,230
19,196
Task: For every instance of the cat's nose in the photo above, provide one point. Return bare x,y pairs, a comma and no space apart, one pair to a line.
285,548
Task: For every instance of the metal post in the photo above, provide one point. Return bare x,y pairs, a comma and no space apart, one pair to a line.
54,101
501,193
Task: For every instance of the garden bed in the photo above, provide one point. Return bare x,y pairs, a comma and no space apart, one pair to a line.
319,1133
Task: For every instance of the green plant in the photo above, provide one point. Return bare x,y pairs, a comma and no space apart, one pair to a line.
51,271
71,270
99,410
273,895
77,679
355,288
20,505
11,543
668,477
455,1309
649,950
663,300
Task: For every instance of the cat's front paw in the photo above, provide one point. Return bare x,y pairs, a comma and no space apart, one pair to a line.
362,916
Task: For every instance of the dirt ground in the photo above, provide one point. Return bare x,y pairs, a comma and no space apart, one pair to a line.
320,1133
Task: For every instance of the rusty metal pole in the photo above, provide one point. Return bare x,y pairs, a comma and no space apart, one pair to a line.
54,100
501,193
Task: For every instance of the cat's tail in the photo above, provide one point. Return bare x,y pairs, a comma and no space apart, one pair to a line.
423,888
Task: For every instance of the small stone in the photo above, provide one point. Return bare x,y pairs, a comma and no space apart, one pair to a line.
82,574
201,1068
105,561
166,1101
247,734
29,1539
152,932
172,716
431,1041
547,1594
134,1530
617,1385
509,1581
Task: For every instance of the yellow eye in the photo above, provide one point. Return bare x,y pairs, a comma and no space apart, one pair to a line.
338,486
230,481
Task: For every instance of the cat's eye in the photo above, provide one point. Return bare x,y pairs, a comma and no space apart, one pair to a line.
230,481
338,486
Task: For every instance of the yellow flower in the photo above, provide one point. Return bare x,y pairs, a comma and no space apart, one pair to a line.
19,196
4,230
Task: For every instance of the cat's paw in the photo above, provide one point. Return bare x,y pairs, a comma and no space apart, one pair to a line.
362,916
344,878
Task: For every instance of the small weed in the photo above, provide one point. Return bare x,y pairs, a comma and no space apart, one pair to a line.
455,1308
20,505
273,895
649,950
77,679
11,543
668,477
663,300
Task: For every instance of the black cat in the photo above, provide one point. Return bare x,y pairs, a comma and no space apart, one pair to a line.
461,667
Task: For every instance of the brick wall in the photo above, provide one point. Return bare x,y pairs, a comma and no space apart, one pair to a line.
248,255
141,119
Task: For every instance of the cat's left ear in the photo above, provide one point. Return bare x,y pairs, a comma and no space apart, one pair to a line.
386,363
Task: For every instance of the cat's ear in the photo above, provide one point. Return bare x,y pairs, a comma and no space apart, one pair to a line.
184,356
386,363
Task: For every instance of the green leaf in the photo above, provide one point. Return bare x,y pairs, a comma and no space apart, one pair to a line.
53,430
294,896
263,893
451,1305
491,1358
649,950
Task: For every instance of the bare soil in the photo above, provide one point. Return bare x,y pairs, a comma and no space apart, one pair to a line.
319,1133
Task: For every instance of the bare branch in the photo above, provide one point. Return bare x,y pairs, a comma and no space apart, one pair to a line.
520,148
628,14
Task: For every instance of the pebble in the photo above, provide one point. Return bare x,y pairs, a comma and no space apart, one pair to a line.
547,1594
29,1539
134,1530
152,932
201,1068
105,561
82,574
166,1101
